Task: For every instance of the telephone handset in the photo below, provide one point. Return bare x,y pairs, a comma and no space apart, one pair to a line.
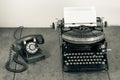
28,48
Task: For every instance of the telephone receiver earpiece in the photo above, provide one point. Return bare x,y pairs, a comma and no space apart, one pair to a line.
39,38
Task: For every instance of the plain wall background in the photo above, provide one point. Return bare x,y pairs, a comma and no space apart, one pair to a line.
41,13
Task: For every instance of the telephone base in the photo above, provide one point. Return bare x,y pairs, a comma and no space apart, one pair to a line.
35,58
32,58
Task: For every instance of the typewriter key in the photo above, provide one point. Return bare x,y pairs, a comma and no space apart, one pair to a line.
86,56
71,57
75,53
101,53
69,60
78,59
72,53
86,62
81,59
83,56
89,62
102,56
67,63
96,62
80,56
75,59
74,56
74,63
83,62
103,62
80,63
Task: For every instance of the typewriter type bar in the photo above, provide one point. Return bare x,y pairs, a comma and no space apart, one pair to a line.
84,57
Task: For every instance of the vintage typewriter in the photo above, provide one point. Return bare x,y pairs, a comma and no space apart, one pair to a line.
84,47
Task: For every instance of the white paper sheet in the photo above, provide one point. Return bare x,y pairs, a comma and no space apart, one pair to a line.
79,16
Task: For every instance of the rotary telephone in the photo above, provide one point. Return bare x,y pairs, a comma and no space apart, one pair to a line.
28,48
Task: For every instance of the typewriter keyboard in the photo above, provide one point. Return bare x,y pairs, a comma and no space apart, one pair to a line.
84,61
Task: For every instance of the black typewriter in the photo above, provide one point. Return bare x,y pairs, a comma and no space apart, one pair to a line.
84,48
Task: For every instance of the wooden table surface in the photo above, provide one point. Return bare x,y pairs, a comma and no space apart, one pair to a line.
51,67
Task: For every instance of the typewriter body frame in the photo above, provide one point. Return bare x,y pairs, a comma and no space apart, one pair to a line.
86,67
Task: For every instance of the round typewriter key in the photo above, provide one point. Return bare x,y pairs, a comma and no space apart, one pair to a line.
65,61
91,59
86,56
72,60
100,59
77,56
97,53
78,59
75,59
68,57
96,62
69,60
75,53
102,56
80,56
78,53
72,53
99,62
66,47
94,59
97,59
80,63
103,50
101,53
83,56
74,56
86,62
64,54
84,59
81,60
71,57
103,62
74,63
88,59
71,63
81,53
91,53
90,56
89,62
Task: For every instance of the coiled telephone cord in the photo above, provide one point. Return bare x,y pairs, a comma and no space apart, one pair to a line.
15,56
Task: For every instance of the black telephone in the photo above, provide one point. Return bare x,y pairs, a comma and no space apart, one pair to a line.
28,48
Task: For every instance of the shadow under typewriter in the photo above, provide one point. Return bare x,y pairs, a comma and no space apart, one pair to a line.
84,49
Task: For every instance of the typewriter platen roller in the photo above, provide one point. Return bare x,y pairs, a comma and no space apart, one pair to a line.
84,47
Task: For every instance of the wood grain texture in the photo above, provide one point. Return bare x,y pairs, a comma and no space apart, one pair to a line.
51,67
